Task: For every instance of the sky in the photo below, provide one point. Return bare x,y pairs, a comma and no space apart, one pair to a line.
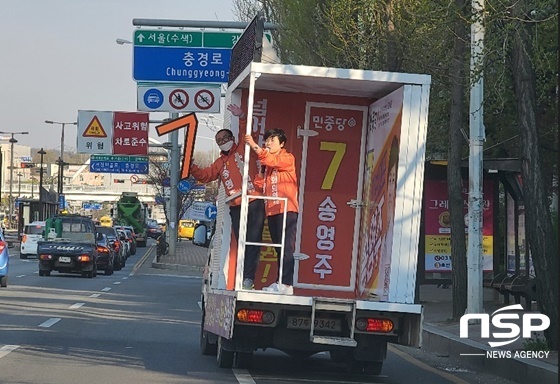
60,56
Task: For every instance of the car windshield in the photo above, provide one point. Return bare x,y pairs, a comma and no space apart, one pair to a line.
110,232
33,229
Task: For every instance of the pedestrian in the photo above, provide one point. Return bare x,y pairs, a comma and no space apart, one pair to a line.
228,167
279,180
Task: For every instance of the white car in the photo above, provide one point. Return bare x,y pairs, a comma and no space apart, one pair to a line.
32,233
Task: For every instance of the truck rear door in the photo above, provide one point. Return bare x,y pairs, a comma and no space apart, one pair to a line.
330,186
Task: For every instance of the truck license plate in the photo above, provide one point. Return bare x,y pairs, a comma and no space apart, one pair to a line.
295,322
64,259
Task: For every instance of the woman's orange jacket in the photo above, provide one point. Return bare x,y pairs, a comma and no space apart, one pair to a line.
279,180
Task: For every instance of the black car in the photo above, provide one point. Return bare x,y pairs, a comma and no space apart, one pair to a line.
105,254
116,244
154,231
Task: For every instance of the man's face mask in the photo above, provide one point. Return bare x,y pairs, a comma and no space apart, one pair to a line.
226,146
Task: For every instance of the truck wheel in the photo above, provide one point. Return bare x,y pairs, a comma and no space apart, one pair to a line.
44,273
206,348
4,281
22,256
243,360
109,270
224,358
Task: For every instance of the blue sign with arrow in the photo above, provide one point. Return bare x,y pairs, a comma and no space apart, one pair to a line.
211,211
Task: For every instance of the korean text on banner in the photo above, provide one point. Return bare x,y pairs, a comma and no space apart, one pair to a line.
130,133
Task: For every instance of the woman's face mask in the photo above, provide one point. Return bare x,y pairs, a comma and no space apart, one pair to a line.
226,146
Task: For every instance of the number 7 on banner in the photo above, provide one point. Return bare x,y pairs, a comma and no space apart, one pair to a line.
191,123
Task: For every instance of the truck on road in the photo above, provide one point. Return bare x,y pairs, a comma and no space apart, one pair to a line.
132,212
359,138
69,246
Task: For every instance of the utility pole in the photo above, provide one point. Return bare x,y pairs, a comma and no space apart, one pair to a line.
477,137
41,207
11,199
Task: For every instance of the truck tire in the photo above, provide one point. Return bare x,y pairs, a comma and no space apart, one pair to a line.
4,281
22,256
223,357
206,348
109,270
44,273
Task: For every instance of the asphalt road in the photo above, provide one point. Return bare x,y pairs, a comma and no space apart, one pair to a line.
141,325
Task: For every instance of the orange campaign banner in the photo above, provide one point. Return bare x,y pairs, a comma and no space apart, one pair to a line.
331,181
379,197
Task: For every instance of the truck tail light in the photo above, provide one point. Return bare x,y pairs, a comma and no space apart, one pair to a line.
45,256
369,324
3,245
102,249
84,258
255,316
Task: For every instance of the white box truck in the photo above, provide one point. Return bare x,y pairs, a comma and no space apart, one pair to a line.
359,140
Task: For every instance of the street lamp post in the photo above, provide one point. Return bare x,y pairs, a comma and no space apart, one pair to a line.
60,160
11,199
19,175
41,209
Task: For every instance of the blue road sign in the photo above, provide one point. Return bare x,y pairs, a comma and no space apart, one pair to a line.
184,186
160,199
153,98
166,182
181,64
211,211
61,202
118,164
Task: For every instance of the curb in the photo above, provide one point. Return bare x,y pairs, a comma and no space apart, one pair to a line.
515,369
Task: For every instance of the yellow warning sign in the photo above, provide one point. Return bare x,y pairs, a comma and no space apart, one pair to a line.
94,129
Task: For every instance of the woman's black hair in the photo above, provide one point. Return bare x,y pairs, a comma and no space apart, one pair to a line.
276,132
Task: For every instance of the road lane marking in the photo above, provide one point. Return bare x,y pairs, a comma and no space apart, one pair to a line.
243,376
50,322
425,366
76,306
117,282
106,289
95,295
21,275
125,278
7,349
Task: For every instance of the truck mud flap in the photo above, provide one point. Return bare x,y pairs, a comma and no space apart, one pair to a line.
219,314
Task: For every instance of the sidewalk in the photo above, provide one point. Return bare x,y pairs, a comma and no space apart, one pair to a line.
439,334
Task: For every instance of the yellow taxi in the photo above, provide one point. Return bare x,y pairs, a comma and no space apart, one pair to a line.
186,229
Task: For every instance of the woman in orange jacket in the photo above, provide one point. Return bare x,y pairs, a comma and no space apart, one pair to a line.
279,180
229,169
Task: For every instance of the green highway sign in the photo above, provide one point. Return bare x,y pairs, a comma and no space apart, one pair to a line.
220,39
167,38
201,39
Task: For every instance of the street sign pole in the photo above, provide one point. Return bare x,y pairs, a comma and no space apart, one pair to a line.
174,178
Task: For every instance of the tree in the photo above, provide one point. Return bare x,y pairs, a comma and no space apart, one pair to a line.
540,236
159,172
454,177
